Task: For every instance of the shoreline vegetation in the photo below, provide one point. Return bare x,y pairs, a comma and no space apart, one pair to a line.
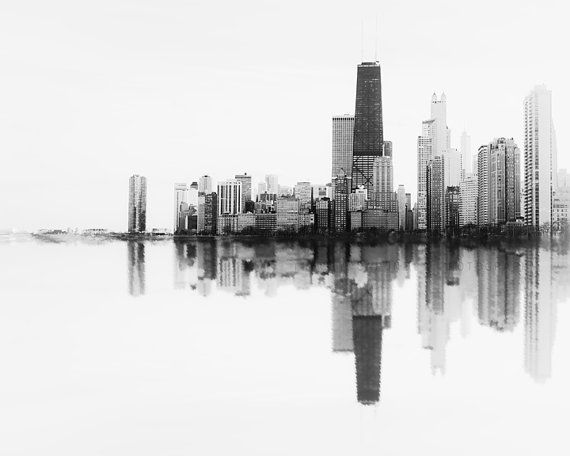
471,236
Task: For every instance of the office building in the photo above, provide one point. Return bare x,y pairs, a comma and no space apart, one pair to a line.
401,194
287,210
382,175
323,209
465,155
342,139
540,169
368,142
137,204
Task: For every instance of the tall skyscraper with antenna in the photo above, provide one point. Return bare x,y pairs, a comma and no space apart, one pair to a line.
368,142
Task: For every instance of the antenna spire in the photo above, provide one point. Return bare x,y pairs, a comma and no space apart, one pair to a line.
376,40
362,40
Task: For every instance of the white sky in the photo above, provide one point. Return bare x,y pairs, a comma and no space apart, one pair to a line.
91,92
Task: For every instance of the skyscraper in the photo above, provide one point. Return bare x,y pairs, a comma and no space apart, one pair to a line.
465,154
368,142
180,197
402,206
342,186
303,192
272,183
499,182
468,200
434,142
342,139
229,197
539,157
137,204
205,185
245,180
436,195
382,176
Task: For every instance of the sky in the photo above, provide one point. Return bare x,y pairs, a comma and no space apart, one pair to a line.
92,92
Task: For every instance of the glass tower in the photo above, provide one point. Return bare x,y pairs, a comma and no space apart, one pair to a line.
368,130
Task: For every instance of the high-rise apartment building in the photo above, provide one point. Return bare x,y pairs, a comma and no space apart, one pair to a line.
137,204
342,139
452,207
539,157
368,142
342,185
401,192
229,197
465,154
245,180
468,200
434,142
436,194
499,182
272,183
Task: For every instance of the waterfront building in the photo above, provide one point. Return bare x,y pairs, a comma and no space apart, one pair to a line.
465,155
137,204
452,208
368,140
540,161
323,208
245,222
229,197
401,194
287,210
207,213
266,222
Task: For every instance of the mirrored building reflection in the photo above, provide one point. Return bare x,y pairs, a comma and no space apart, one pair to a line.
457,288
136,267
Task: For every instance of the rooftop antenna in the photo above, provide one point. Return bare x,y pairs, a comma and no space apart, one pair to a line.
376,41
362,40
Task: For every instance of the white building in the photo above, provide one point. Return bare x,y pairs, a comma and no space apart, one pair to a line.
229,197
272,183
401,206
342,138
468,200
180,196
539,157
465,154
382,175
205,185
304,193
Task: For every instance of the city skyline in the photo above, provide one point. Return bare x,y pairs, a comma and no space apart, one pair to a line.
491,109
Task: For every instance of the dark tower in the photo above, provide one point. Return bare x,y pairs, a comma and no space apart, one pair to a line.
368,130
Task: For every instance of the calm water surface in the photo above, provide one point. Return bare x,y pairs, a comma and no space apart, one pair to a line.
286,348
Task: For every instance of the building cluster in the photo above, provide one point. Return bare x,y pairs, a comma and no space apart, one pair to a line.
495,188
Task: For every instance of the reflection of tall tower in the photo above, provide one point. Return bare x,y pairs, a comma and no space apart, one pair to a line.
367,336
341,324
135,253
185,273
540,314
499,288
207,257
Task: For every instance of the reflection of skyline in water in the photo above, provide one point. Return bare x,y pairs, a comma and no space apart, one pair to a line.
453,284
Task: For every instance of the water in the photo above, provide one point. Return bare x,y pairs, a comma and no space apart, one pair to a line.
228,347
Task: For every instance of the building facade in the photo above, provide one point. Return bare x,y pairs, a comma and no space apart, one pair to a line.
342,139
540,166
229,197
137,204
